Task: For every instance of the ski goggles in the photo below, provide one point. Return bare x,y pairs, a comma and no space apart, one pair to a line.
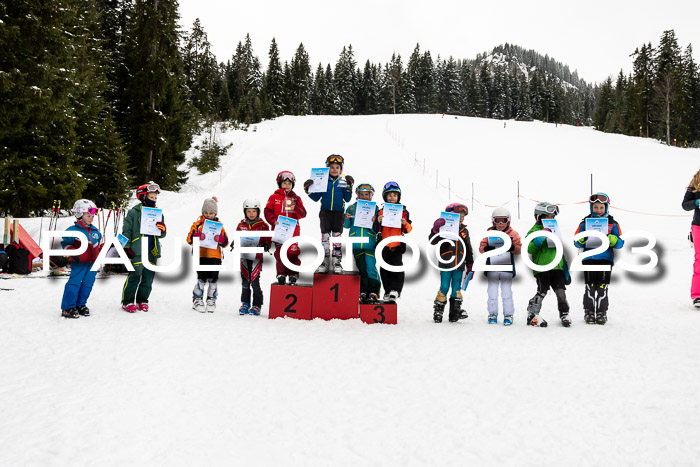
286,176
459,209
92,211
335,158
364,187
392,186
152,187
599,198
500,220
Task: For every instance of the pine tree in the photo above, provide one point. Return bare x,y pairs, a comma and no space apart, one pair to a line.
274,81
346,81
666,79
643,89
200,69
159,121
301,81
37,122
604,105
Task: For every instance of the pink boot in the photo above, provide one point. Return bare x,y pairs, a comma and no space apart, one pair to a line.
143,306
131,308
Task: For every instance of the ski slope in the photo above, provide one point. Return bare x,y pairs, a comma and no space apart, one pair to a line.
175,387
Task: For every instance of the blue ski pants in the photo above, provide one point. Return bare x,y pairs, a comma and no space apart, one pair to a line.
453,278
79,285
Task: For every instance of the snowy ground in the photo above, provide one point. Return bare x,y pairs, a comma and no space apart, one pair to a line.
174,387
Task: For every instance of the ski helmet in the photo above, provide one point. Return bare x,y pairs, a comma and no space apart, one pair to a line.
365,187
601,198
335,159
544,208
391,187
459,208
251,203
285,175
150,187
83,206
500,213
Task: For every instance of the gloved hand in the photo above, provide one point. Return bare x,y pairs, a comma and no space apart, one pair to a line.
199,235
469,268
161,226
539,241
130,253
613,239
266,247
546,230
220,239
439,222
489,248
582,241
307,184
512,245
350,180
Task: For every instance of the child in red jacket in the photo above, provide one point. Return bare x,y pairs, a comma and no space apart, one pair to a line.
251,268
284,202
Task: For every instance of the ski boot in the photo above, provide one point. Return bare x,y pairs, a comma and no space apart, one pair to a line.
508,320
70,313
462,312
337,267
281,279
363,297
696,303
130,308
373,297
323,268
439,307
589,316
243,310
601,317
254,310
293,279
142,306
83,310
534,319
493,318
455,310
198,305
565,320
211,305
393,296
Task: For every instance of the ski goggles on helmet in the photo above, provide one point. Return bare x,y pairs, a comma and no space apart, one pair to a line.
364,187
282,176
599,198
500,220
392,186
334,159
92,211
458,208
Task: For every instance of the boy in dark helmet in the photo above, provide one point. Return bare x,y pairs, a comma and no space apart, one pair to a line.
139,282
284,202
595,297
332,214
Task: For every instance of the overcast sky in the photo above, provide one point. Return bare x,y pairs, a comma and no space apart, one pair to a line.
592,36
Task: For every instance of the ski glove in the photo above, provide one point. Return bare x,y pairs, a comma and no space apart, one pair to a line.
539,241
613,239
307,184
469,268
130,253
199,235
350,180
582,241
489,248
221,239
437,224
161,226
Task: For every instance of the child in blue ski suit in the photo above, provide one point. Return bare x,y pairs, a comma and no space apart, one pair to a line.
595,296
364,252
79,285
458,258
332,214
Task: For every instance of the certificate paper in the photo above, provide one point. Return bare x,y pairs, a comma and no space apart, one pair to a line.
284,230
598,225
552,225
210,229
320,178
392,215
364,212
112,253
248,242
451,224
149,218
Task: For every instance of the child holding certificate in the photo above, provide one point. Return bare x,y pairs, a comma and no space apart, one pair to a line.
500,219
359,218
206,226
251,263
139,238
284,202
337,192
595,296
556,278
457,259
393,252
